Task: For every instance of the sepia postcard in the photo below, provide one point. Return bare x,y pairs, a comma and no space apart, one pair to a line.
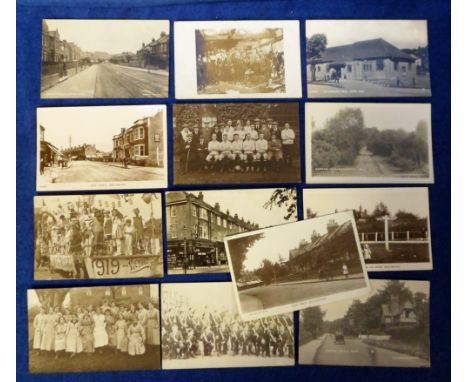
236,143
237,59
101,148
198,221
207,332
102,328
297,265
98,236
367,58
389,327
368,143
393,223
105,58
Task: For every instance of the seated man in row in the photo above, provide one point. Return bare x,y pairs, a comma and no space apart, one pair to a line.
253,155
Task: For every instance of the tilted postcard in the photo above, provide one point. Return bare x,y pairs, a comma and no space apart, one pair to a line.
297,265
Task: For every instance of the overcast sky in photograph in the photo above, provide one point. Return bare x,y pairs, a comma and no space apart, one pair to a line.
111,36
248,204
401,33
280,240
218,295
338,309
90,124
325,201
379,115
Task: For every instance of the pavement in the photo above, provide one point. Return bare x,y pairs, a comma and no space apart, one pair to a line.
353,88
265,297
213,269
88,171
107,80
354,352
226,361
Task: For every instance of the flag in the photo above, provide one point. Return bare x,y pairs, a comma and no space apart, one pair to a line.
147,197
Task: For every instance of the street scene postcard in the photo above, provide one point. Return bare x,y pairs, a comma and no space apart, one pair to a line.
297,265
98,236
367,58
368,143
101,147
105,58
393,223
389,327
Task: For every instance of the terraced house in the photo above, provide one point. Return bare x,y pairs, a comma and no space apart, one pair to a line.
196,230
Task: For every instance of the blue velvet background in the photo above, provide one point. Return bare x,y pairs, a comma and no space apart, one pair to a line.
29,16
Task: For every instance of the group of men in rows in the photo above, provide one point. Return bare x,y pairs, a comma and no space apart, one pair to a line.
262,146
247,67
187,333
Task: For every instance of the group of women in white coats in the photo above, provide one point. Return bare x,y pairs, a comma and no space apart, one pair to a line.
126,328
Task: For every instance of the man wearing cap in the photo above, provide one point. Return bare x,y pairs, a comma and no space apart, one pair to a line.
287,137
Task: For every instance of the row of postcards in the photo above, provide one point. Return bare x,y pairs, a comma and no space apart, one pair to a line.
234,59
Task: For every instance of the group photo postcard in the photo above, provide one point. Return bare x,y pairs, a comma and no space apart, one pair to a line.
200,332
237,59
236,143
98,236
99,328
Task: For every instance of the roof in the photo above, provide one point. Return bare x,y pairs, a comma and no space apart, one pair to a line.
319,242
361,50
392,310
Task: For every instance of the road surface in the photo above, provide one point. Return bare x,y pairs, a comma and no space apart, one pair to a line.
107,80
265,297
352,88
197,270
226,361
87,171
354,352
371,165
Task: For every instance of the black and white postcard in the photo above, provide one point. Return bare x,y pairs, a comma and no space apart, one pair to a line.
100,328
101,147
368,143
388,327
237,59
236,143
201,328
393,223
367,58
98,236
297,265
105,58
198,221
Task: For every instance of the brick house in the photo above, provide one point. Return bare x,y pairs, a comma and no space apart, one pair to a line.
199,226
398,312
120,294
142,143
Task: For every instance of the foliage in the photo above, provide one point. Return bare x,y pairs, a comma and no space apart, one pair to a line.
340,141
238,249
312,321
51,297
315,45
405,150
286,197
